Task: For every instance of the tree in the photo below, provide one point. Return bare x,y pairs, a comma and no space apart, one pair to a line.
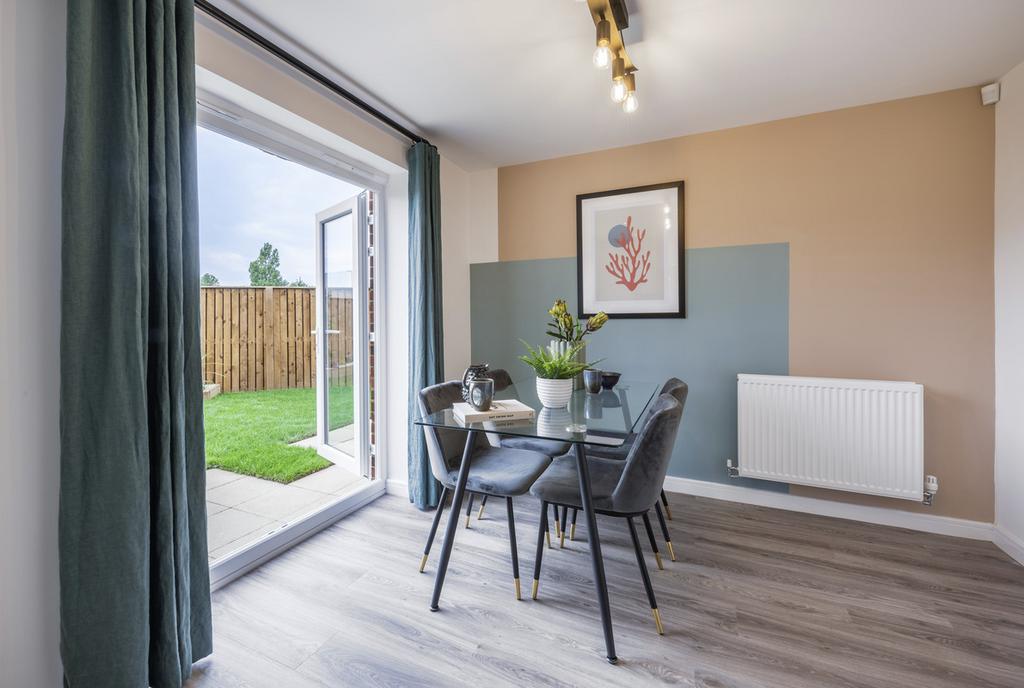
265,271
298,283
209,280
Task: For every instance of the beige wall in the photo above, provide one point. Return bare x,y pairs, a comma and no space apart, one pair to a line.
888,212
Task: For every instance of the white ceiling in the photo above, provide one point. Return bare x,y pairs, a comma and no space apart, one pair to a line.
497,83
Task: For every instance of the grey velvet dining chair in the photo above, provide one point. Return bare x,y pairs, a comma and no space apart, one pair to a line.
503,382
626,489
680,390
494,471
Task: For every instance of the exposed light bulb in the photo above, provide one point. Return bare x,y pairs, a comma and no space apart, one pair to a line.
618,91
630,104
602,56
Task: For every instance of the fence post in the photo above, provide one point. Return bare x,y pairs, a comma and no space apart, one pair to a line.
269,338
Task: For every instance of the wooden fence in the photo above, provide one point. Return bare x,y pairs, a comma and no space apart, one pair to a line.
262,337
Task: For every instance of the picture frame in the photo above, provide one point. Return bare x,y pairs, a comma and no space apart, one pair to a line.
623,267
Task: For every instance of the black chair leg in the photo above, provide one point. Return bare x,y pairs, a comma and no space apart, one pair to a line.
469,507
664,531
433,528
646,576
572,528
558,521
542,533
654,543
664,500
562,529
515,546
483,503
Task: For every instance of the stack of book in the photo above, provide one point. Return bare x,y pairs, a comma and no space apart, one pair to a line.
502,413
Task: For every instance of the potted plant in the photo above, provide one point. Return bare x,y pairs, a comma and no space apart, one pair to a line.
568,332
555,372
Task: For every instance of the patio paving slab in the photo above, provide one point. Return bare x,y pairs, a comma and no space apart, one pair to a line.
230,525
215,477
242,509
241,490
279,504
330,480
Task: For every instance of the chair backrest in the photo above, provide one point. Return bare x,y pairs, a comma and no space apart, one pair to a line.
502,380
444,445
647,461
676,388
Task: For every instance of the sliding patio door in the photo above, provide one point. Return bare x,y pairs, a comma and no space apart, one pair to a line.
343,334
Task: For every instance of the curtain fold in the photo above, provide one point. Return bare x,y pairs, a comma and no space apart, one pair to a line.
426,341
134,575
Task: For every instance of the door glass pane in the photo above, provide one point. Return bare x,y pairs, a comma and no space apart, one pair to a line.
338,244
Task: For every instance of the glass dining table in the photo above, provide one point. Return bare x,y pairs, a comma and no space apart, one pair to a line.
602,419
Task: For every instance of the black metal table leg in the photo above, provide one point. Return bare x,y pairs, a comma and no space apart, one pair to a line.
433,527
453,520
595,551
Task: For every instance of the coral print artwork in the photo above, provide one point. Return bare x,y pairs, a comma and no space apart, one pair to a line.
631,265
630,252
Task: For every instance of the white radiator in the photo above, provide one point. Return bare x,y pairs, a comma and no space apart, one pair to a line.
857,435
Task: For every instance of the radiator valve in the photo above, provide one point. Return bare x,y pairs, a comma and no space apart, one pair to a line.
931,488
732,468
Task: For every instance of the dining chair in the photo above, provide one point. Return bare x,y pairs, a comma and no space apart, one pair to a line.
678,389
552,448
625,489
494,471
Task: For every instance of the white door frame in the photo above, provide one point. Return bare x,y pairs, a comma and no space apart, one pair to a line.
231,120
355,208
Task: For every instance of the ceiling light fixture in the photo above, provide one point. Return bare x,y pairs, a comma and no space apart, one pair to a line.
602,53
610,18
630,102
618,80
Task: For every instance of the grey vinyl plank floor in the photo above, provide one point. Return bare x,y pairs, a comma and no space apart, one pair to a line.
758,597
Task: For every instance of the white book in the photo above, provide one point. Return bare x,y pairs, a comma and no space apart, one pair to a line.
501,410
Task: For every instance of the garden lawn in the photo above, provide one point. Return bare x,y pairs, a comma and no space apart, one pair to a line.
249,432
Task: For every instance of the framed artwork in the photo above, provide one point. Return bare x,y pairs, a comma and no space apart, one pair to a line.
629,252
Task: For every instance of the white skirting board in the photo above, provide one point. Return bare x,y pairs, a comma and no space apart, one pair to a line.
1008,542
926,523
942,525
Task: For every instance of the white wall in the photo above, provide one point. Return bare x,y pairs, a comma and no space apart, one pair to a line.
483,216
469,234
455,250
1009,286
31,120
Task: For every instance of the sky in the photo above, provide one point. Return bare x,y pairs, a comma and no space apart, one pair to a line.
247,197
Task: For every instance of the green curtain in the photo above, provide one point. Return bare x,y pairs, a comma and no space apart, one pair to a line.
426,341
134,576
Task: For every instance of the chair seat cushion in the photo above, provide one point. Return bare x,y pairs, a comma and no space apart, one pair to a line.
560,483
502,472
547,447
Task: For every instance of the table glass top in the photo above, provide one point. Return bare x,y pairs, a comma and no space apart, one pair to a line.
604,418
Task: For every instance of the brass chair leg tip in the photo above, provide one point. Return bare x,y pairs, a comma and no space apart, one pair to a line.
423,563
561,541
671,552
547,536
572,532
657,558
536,584
480,514
657,621
519,595
467,521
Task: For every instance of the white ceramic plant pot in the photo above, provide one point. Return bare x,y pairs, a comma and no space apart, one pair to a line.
554,393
